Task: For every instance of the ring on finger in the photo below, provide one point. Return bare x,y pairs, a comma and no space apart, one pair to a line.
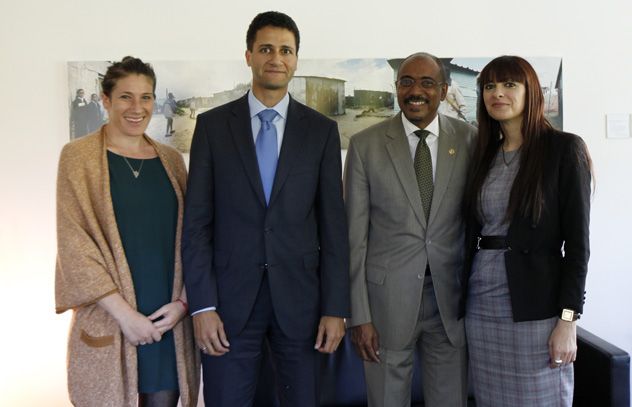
558,361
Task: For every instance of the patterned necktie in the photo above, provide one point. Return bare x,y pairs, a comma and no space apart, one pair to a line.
267,151
423,171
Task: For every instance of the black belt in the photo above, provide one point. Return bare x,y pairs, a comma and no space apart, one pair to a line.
492,243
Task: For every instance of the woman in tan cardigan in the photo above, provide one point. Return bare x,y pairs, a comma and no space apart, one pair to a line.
119,217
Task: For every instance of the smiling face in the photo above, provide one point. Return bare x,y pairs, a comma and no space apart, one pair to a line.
420,102
130,105
505,101
273,59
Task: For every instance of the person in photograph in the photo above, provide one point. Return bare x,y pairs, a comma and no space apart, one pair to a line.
265,245
192,107
119,216
528,204
404,182
454,103
79,115
95,115
169,109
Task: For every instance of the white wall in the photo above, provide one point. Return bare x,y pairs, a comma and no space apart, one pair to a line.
38,37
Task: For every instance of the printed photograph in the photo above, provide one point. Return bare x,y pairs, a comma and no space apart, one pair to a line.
356,93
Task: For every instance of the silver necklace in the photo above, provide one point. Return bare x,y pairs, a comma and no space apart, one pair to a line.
136,173
502,148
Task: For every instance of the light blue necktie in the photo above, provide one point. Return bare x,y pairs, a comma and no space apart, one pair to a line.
267,151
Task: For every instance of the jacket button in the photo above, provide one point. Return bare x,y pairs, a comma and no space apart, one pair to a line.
525,251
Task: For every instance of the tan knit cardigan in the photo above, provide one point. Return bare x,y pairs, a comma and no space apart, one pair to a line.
91,264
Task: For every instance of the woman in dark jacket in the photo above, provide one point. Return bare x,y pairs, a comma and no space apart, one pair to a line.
527,208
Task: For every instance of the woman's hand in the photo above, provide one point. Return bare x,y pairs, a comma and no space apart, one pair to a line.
563,343
136,327
167,316
139,330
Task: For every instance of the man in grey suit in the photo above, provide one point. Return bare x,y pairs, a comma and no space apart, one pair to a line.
404,182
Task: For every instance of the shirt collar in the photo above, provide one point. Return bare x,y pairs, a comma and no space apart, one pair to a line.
256,106
410,128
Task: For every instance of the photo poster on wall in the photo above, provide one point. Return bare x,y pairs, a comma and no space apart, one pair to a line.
356,93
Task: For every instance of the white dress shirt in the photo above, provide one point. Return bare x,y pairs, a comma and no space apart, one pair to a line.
432,139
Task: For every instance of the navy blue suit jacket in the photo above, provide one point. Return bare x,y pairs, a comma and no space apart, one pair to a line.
229,234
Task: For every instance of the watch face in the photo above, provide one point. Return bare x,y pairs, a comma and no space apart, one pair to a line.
568,315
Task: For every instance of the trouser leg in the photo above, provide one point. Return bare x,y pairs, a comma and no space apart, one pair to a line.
443,366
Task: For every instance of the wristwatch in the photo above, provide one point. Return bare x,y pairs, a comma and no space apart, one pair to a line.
569,315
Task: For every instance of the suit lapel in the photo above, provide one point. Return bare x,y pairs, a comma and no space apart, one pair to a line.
292,136
447,152
242,134
399,152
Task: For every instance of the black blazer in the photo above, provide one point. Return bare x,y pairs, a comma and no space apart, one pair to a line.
229,234
547,261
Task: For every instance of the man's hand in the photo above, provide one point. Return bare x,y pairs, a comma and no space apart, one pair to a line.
366,342
209,333
330,333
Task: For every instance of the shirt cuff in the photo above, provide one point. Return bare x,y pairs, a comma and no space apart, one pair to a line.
204,310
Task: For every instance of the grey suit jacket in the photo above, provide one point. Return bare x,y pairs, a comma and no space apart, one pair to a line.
390,240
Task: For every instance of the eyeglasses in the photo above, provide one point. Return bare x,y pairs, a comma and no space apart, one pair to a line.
426,83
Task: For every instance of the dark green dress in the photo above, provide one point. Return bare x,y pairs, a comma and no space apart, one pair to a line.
146,210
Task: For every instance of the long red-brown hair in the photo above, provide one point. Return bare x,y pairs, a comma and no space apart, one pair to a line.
526,194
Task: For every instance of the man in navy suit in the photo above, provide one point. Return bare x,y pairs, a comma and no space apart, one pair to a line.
265,246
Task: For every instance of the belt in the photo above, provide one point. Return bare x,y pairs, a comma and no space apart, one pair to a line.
492,243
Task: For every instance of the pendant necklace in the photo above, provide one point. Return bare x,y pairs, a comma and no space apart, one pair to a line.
135,172
507,163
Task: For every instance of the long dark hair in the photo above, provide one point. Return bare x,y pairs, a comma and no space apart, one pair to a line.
526,194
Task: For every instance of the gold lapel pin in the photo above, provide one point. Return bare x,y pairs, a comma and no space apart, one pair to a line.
451,151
